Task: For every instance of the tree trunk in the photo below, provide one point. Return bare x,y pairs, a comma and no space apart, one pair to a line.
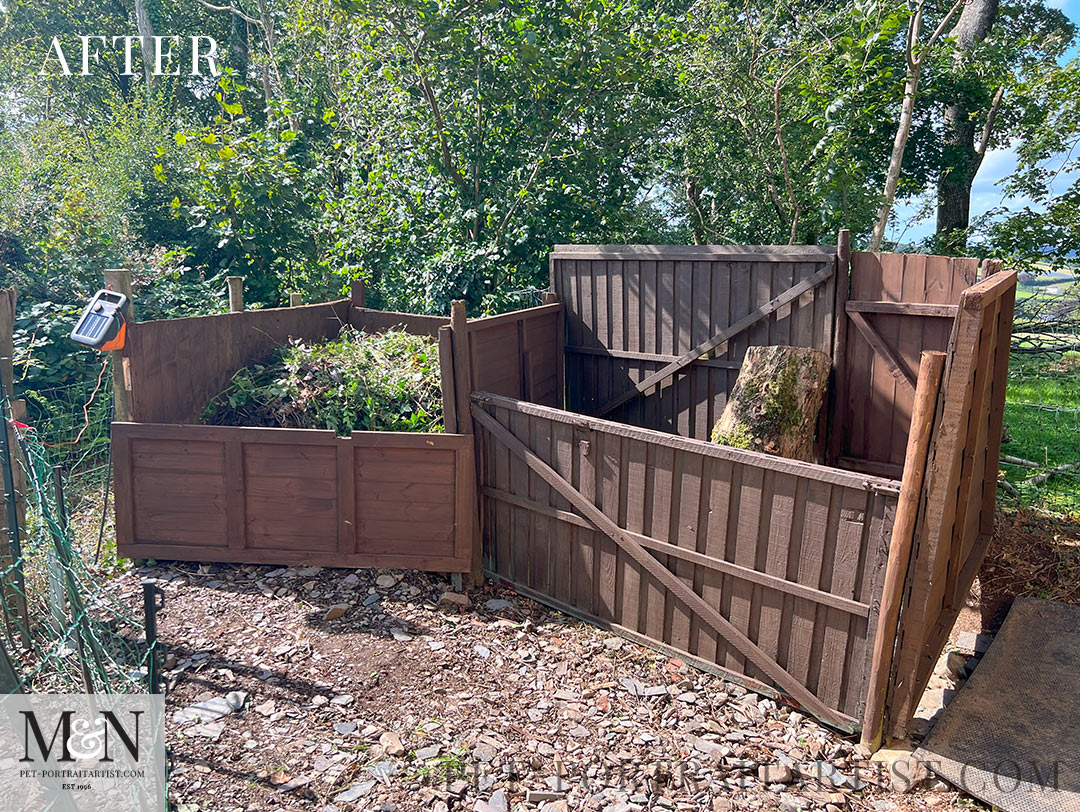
775,404
146,34
961,156
958,166
896,158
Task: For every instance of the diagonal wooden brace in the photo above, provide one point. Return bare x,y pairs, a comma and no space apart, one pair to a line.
743,644
746,322
892,361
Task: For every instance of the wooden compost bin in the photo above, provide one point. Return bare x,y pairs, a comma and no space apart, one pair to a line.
832,584
275,495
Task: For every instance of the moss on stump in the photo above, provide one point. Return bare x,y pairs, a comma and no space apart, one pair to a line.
775,404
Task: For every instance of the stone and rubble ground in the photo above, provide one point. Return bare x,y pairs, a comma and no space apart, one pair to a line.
323,689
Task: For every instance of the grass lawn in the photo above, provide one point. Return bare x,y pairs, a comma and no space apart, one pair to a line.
1042,404
1042,418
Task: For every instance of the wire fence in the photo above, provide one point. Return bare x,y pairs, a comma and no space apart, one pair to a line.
64,629
1041,443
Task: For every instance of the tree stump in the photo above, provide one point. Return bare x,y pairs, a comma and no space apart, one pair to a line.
775,404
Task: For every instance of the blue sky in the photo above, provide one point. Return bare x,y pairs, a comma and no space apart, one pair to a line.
986,193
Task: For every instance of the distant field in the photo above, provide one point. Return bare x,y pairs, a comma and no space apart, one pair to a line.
1041,284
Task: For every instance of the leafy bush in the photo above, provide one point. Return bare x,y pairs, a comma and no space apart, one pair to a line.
359,381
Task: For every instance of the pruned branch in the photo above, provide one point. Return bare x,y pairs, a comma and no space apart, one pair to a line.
1045,476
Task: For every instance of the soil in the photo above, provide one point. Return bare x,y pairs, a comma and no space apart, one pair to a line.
440,705
1032,555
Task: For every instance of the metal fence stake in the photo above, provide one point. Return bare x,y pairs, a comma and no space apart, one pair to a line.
153,602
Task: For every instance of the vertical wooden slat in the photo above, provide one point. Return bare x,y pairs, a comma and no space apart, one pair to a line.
466,529
715,529
810,561
839,351
521,546
586,549
634,604
744,534
544,528
685,518
658,492
124,504
235,486
504,539
346,497
608,470
566,537
781,511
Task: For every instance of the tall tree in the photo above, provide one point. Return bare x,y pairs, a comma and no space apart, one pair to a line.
985,98
915,54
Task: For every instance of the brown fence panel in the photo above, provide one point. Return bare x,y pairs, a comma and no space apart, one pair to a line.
292,496
517,354
763,569
173,367
378,321
631,311
898,306
956,509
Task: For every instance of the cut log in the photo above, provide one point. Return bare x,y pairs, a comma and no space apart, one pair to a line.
775,404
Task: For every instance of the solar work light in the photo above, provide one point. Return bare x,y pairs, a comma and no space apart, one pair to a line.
102,325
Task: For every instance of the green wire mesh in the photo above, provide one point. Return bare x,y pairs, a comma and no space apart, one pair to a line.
64,630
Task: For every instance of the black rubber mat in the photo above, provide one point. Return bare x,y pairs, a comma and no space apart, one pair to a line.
1010,737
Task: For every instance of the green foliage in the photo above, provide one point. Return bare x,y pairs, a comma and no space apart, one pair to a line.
477,135
789,119
357,382
250,198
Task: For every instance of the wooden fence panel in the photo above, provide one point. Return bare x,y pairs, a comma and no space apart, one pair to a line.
516,354
632,311
379,321
174,366
956,503
899,305
292,496
760,568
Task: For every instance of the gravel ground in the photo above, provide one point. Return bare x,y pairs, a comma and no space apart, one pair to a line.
319,689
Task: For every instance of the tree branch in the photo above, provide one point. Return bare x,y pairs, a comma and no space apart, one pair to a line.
988,127
230,10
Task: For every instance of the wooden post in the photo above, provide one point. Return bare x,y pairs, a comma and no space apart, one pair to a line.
236,293
296,299
119,279
989,268
903,536
14,589
551,297
459,329
446,376
838,389
358,293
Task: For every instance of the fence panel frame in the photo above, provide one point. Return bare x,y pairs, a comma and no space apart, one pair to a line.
957,499
517,514
348,454
635,310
